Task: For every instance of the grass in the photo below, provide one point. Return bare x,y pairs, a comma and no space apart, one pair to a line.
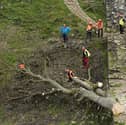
95,9
41,15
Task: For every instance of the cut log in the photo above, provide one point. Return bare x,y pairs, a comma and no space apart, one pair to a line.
105,102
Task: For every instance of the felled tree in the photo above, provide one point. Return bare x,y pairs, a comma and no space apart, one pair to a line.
86,91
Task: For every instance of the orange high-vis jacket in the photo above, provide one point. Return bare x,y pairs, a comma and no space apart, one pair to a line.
89,27
100,24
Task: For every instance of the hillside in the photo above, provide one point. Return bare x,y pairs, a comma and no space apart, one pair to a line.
28,30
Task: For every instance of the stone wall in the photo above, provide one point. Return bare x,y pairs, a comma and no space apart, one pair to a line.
116,53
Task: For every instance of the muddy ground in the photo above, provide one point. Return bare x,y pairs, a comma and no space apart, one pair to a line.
24,103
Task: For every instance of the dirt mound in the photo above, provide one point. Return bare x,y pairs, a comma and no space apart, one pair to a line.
29,107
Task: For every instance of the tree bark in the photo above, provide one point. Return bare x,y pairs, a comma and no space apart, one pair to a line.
82,83
105,102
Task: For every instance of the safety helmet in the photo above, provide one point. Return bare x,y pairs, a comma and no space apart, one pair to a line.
99,19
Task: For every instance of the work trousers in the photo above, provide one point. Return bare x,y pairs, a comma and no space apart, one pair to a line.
85,62
65,38
89,35
100,32
121,29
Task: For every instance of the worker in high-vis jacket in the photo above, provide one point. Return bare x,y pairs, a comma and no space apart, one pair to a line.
100,27
70,74
89,31
85,58
121,25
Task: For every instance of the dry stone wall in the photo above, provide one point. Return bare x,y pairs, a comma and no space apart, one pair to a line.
117,53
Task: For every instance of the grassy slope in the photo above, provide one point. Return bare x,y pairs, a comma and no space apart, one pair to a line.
43,16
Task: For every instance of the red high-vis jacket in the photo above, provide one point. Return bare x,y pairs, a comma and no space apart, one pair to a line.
100,24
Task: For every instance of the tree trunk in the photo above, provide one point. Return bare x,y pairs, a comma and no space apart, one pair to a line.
105,102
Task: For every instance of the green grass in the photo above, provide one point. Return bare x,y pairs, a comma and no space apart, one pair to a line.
94,9
45,16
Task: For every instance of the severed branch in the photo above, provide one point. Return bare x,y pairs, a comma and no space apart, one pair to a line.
105,102
89,86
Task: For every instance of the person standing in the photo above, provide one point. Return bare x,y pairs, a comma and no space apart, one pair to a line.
86,55
64,30
100,27
89,31
85,60
121,25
